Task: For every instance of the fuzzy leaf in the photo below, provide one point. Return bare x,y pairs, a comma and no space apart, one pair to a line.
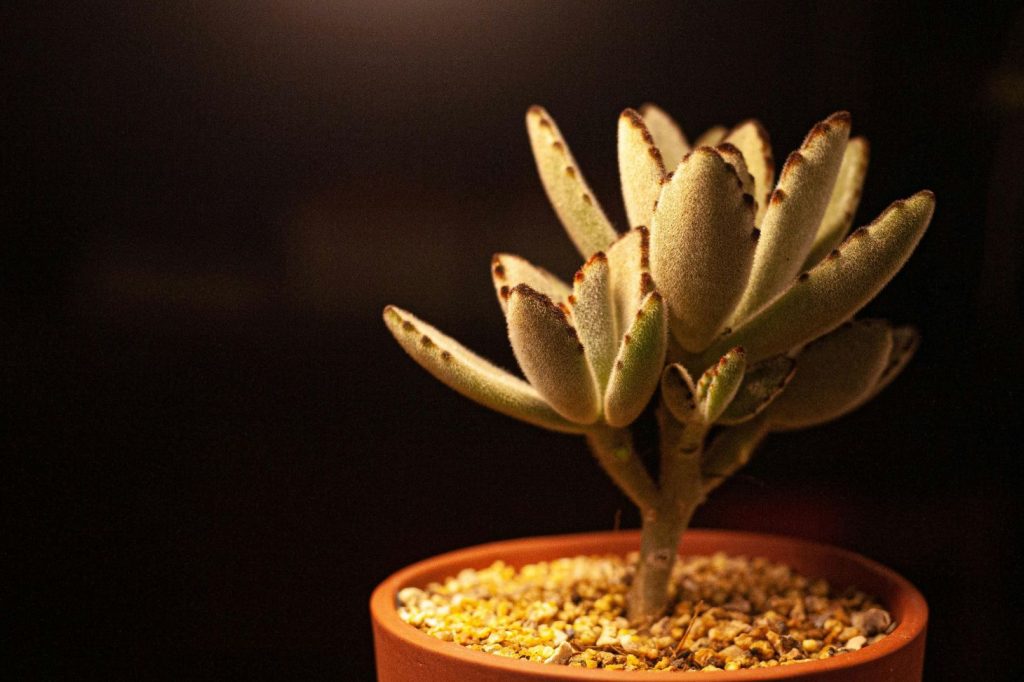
842,205
839,286
638,364
575,204
711,137
834,375
667,134
629,263
677,392
508,270
730,451
702,245
752,140
732,156
762,383
640,168
905,341
551,356
593,316
718,385
794,212
469,374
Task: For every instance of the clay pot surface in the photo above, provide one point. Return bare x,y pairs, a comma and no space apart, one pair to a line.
406,654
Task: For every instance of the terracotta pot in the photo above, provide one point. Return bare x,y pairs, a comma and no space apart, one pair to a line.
405,653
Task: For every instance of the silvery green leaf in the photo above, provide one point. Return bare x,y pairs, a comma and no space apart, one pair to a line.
842,205
730,450
575,204
717,387
762,383
641,169
667,134
834,375
508,270
905,341
839,286
732,156
638,363
551,355
469,374
629,264
710,137
593,315
702,245
677,392
751,139
794,212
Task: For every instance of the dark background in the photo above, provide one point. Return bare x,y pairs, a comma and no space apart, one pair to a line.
214,448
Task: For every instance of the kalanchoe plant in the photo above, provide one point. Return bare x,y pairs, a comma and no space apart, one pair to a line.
729,301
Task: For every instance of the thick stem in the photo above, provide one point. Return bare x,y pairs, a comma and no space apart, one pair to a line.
680,495
659,544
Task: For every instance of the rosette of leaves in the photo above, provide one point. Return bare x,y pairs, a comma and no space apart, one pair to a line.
729,300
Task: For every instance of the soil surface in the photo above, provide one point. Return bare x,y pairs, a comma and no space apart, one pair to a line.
725,613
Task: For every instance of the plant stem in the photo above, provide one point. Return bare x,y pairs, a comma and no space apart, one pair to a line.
663,526
659,543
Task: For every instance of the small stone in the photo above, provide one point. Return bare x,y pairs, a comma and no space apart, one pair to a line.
410,595
662,627
871,621
608,637
762,649
561,655
856,643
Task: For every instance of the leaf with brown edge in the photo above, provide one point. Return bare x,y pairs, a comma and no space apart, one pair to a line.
762,383
593,316
638,363
734,158
641,169
667,134
702,245
571,197
677,392
629,265
718,385
508,270
711,137
794,211
835,374
839,286
842,204
752,140
551,355
467,373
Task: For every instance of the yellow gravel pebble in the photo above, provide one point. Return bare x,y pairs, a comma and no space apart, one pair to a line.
727,613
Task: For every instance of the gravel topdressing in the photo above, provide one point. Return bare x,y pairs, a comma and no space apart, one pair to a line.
726,613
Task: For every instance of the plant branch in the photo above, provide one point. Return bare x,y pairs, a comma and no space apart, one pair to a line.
614,451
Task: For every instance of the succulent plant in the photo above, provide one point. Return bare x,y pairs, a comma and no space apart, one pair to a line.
731,298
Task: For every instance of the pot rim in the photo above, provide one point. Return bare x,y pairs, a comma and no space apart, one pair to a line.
910,625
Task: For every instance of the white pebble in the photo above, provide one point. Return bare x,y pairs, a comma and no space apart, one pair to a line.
562,654
855,643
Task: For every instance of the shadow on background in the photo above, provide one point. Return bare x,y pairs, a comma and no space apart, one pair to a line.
215,448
